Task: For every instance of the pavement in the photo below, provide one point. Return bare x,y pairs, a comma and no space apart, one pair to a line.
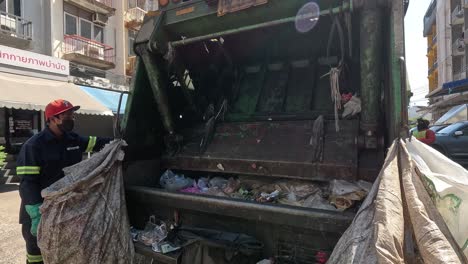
12,248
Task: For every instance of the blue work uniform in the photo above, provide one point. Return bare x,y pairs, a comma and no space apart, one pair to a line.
40,163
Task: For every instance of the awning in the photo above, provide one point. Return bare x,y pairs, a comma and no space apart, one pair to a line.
450,88
108,98
30,93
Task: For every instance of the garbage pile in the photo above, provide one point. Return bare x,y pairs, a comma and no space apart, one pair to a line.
337,195
166,237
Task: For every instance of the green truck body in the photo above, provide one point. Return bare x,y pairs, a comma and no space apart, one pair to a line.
239,92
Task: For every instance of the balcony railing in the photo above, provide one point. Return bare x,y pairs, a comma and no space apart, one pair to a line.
457,15
15,26
134,17
73,44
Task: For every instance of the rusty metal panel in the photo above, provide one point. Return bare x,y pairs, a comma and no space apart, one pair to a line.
307,218
275,148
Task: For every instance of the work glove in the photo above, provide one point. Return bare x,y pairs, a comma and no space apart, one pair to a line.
35,215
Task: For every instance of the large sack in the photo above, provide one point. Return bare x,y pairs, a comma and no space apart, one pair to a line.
398,209
84,215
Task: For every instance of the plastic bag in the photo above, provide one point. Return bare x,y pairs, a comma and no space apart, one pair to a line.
352,107
344,194
218,182
318,202
173,182
153,233
232,186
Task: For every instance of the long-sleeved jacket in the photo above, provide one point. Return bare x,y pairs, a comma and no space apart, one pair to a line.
41,161
426,136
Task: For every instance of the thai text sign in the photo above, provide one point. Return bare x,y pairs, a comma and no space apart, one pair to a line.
34,61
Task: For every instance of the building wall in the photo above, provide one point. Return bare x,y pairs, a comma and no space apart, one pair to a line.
444,43
38,12
117,21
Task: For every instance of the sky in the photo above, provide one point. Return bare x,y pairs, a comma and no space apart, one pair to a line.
416,49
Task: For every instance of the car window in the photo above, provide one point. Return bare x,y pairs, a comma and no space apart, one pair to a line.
452,128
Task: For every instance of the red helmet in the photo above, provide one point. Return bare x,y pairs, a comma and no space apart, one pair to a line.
57,107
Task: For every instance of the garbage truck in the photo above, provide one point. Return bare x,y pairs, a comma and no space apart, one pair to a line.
264,91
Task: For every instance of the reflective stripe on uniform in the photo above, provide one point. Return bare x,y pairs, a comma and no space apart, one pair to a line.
20,170
91,144
34,258
419,134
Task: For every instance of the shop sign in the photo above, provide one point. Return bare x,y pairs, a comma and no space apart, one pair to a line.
34,61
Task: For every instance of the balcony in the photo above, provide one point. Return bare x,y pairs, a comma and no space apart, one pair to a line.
131,65
458,47
88,52
95,6
134,18
458,16
15,31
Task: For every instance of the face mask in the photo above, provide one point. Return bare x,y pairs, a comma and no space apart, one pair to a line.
66,125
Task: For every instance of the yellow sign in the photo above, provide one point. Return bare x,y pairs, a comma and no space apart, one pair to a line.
185,11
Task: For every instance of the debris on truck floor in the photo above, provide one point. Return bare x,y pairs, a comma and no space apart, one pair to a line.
337,195
193,240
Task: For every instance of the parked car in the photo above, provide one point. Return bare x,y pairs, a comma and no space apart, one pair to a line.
452,141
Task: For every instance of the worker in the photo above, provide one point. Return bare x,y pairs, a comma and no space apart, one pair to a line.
423,133
40,163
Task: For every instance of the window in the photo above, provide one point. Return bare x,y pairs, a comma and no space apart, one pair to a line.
131,40
137,3
83,27
86,29
11,7
98,33
71,27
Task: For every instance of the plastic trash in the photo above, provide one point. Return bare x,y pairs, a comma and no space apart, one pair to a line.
318,202
232,186
173,182
344,194
342,188
202,184
218,182
163,247
268,197
134,233
352,107
153,233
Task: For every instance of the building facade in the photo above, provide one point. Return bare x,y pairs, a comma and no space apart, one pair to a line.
50,49
445,26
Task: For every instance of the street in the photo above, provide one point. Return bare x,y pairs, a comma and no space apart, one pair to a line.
12,250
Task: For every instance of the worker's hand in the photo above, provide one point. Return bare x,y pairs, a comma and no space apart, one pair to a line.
35,215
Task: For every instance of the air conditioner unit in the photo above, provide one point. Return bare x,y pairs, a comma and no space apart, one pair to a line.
95,52
100,19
